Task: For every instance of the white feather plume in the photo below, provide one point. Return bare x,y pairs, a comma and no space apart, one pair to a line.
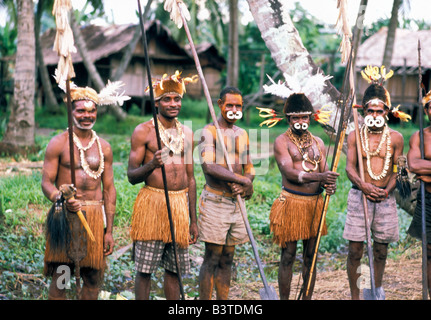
176,8
308,85
109,94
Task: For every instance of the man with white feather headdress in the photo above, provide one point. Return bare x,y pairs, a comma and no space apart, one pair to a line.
295,214
95,190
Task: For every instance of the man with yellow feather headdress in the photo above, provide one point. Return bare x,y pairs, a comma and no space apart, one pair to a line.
150,229
381,147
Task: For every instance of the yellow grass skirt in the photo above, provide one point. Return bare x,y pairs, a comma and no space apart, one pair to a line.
95,258
150,219
295,217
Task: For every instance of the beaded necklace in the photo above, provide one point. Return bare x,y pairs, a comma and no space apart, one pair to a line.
302,143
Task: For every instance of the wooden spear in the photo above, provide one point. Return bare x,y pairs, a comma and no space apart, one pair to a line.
422,188
268,292
339,141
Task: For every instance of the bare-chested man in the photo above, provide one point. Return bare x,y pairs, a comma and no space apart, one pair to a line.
295,214
422,169
221,224
150,224
381,147
95,192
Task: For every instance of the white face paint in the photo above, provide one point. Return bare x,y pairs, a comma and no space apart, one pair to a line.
79,126
378,122
234,115
299,126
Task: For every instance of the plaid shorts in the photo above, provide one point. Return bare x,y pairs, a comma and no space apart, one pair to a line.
149,255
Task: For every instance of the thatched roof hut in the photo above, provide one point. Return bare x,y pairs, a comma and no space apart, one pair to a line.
106,46
403,86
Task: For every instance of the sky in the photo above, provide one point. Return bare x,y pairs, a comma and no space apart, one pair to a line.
123,11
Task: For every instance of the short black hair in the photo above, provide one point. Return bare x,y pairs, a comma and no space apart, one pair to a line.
231,90
375,91
297,103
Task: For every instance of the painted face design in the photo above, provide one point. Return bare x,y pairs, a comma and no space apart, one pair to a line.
234,115
377,122
300,126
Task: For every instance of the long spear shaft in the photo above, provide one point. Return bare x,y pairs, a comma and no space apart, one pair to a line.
267,288
341,132
422,188
159,144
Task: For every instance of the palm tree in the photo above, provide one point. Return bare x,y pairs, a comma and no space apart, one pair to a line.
390,38
20,128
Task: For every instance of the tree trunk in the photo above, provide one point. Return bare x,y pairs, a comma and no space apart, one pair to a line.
95,77
287,50
390,37
20,129
233,55
51,101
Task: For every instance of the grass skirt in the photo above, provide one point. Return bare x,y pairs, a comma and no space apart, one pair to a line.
94,258
150,219
295,217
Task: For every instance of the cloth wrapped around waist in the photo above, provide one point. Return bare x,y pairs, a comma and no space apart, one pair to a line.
150,219
295,216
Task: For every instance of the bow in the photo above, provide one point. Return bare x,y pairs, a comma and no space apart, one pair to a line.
345,105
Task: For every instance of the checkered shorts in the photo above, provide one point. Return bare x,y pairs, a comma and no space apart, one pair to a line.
149,255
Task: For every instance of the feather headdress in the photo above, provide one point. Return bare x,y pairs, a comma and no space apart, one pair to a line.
107,96
426,99
173,84
376,92
299,90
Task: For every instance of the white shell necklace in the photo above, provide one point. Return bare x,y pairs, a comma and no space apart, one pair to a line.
365,146
93,174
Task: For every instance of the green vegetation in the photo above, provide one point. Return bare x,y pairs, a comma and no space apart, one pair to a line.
24,208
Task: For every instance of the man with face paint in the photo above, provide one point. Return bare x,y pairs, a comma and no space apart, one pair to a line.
221,225
422,169
296,213
95,193
150,229
381,146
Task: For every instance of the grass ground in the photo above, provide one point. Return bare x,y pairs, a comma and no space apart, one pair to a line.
23,209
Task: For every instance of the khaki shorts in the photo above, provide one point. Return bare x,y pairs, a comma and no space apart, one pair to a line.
220,220
149,255
383,217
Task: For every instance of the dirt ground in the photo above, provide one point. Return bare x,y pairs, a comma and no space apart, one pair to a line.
402,281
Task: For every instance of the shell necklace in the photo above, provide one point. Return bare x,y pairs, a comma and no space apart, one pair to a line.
386,137
84,163
175,142
302,143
